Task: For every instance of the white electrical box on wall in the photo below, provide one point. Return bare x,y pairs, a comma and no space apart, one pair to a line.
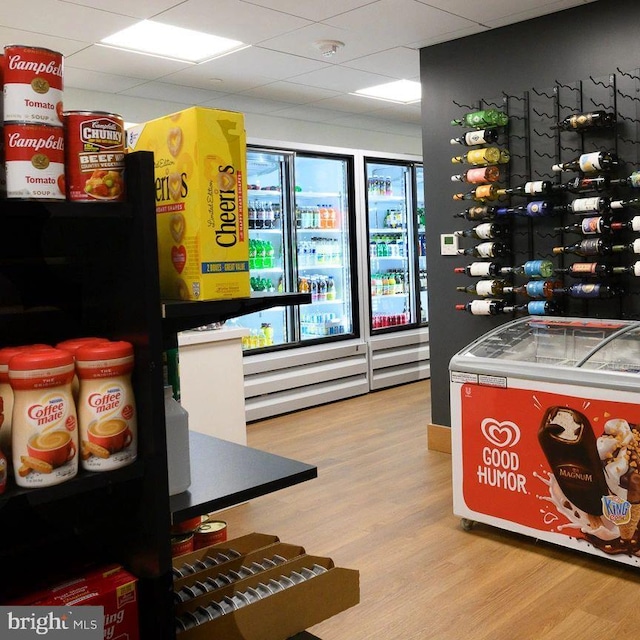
448,244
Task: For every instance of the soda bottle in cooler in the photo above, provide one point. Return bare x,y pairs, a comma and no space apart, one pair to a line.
252,215
260,215
322,288
260,254
269,255
331,288
252,254
332,219
313,286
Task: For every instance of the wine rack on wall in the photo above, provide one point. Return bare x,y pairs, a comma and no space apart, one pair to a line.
535,145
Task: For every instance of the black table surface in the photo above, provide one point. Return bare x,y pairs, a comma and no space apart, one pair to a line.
224,474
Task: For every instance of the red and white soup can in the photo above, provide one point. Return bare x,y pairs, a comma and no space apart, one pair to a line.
32,85
34,161
94,156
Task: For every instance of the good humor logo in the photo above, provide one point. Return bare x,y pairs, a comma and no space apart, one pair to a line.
500,465
53,623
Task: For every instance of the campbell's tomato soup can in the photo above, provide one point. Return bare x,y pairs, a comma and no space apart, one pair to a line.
32,85
106,405
44,431
34,161
94,156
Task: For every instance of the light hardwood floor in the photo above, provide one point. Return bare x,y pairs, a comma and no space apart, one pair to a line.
382,505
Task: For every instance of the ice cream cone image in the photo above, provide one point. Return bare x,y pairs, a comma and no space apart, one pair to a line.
627,530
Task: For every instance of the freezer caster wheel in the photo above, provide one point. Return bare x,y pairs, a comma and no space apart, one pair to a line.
467,524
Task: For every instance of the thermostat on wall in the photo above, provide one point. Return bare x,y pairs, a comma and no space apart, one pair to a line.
448,244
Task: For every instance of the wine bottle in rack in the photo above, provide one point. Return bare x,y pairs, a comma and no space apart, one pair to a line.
592,247
482,157
583,184
632,181
485,307
479,212
539,308
595,204
483,118
534,188
632,224
473,138
481,193
590,290
485,231
587,269
479,175
533,209
632,269
582,121
536,288
590,226
531,269
481,269
485,288
589,163
622,204
486,250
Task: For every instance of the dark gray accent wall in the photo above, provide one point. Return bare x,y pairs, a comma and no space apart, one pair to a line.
595,39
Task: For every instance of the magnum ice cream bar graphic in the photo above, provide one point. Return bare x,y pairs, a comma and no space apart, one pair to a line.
569,444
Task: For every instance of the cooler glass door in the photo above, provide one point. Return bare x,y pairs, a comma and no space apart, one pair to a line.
269,254
391,242
323,236
423,299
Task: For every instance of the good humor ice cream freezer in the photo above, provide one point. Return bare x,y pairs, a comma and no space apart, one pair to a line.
545,428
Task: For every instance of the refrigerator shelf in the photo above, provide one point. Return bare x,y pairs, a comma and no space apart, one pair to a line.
319,194
318,230
382,230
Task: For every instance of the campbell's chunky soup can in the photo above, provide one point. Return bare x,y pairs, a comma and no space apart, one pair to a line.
106,405
94,156
44,431
34,161
32,85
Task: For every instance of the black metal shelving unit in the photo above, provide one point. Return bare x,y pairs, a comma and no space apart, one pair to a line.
76,269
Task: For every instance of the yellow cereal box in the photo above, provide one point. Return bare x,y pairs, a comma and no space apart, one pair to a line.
200,172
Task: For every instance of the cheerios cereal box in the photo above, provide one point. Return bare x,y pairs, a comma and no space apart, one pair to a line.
201,193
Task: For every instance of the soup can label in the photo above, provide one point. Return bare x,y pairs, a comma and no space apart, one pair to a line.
34,161
94,156
32,85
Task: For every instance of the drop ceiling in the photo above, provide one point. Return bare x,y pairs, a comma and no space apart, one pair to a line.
282,73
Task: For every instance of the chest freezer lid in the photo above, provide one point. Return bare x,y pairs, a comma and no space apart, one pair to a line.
620,352
544,342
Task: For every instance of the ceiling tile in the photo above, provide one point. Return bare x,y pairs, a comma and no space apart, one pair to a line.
340,79
142,9
96,81
172,93
346,103
306,112
489,10
18,36
123,63
392,23
62,19
291,92
247,104
232,19
370,123
448,36
532,11
400,63
312,9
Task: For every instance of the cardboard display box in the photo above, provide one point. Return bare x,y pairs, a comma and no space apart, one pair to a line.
280,615
200,160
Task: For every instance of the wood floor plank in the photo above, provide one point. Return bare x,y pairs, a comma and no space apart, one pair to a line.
382,504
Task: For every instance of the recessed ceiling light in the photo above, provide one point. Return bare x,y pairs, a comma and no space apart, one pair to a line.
400,91
175,43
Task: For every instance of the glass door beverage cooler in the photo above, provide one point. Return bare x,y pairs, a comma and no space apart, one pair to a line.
545,429
396,244
301,232
422,246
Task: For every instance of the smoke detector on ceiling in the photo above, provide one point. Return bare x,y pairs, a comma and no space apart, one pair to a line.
328,48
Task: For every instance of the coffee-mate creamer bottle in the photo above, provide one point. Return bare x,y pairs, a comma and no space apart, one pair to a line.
106,405
6,394
44,434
